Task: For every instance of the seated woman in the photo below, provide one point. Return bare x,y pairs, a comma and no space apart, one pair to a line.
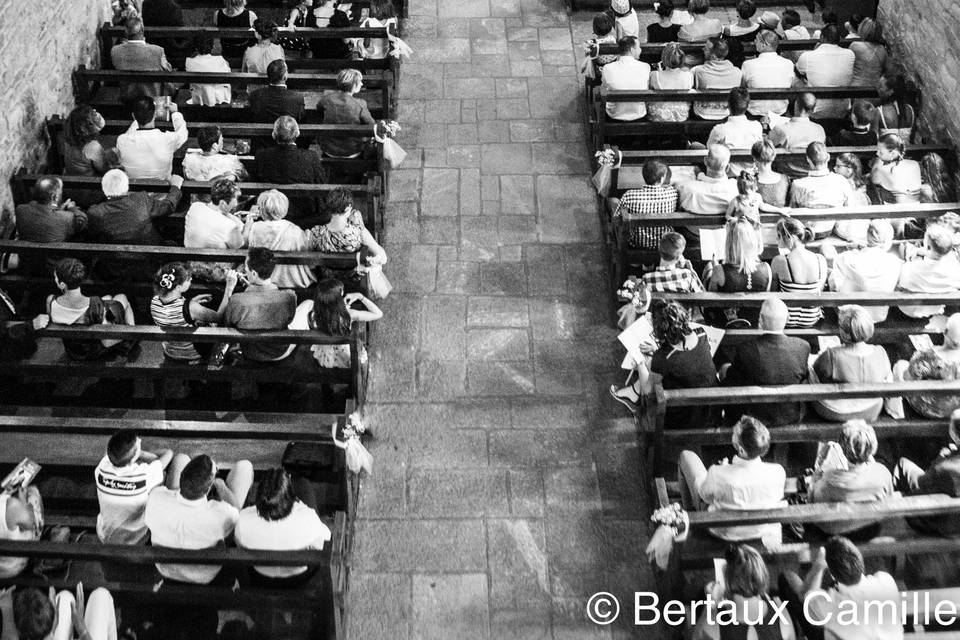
799,271
72,307
853,361
382,14
170,308
896,112
741,272
275,233
257,58
682,358
204,61
747,586
671,76
83,154
234,14
895,178
343,107
861,479
279,521
345,233
664,29
937,180
870,61
848,165
773,187
332,313
937,363
742,31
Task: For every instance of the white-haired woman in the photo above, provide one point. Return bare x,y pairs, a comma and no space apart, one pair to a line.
275,233
343,107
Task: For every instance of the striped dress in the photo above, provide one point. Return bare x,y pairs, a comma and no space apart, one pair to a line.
804,316
174,313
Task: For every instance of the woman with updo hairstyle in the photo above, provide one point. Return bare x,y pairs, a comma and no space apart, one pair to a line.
895,178
747,586
702,28
772,186
275,233
896,113
742,272
331,313
257,58
870,61
864,479
664,30
83,154
937,180
280,521
853,361
684,360
799,270
671,76
234,14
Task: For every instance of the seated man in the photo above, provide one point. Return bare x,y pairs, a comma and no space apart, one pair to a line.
796,134
872,269
852,591
742,483
938,272
145,151
275,99
30,614
285,163
656,198
829,65
215,224
627,73
710,193
261,306
771,359
188,519
45,219
767,71
125,477
716,73
674,273
860,133
820,188
737,132
135,54
211,162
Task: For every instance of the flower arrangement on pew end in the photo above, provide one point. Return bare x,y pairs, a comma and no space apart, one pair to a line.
608,159
357,457
384,132
673,525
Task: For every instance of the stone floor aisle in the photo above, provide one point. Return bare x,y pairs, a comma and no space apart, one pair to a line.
505,489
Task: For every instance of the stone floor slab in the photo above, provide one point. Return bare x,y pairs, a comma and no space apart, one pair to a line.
450,606
420,546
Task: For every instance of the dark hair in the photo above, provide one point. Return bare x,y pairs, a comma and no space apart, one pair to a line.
754,437
223,190
48,190
602,24
698,6
276,71
169,276
70,272
144,110
330,314
81,126
382,9
746,182
626,44
654,172
261,260
738,101
208,136
893,142
789,19
855,19
203,44
863,112
844,560
665,8
830,33
746,573
33,614
671,322
275,497
266,29
851,160
197,477
902,91
338,200
746,9
121,447
763,151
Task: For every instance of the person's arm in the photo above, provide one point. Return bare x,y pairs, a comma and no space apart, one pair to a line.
373,247
292,20
180,134
777,137
776,267
205,315
236,239
365,117
369,313
50,299
240,171
160,207
769,208
164,456
97,158
814,577
823,366
9,630
164,65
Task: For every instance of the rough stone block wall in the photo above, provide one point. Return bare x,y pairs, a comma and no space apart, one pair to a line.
41,43
924,41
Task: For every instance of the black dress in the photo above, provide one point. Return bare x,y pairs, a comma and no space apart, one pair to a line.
234,47
687,369
656,33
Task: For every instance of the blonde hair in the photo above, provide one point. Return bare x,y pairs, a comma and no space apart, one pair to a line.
855,324
742,246
672,56
349,80
273,205
858,441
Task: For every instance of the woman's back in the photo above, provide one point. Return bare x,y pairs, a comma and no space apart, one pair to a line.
670,80
897,182
688,368
801,272
234,47
868,64
174,313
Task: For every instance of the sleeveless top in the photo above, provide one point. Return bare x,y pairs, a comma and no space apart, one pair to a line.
10,567
803,316
379,48
175,313
775,193
347,240
735,281
768,629
234,47
686,369
898,127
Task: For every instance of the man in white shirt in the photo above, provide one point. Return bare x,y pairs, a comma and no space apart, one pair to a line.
767,71
829,65
187,519
145,151
937,273
214,225
821,189
820,611
124,478
796,133
711,192
870,270
742,483
210,163
737,132
627,74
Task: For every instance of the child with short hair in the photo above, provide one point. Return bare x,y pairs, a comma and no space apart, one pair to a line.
603,33
675,273
860,133
625,19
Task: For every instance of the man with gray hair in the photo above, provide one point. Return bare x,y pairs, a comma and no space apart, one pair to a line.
796,134
937,272
711,192
285,163
873,269
46,219
135,54
771,359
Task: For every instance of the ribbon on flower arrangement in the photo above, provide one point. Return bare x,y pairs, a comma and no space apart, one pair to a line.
357,457
673,526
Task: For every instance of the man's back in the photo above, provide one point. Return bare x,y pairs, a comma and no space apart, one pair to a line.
828,66
128,219
795,135
707,195
259,308
41,223
271,102
771,359
929,276
744,485
626,74
288,164
870,270
767,71
122,493
137,56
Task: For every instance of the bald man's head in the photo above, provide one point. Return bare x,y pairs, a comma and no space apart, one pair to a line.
805,104
773,315
718,157
880,234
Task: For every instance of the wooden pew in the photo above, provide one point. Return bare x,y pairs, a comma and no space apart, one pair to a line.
647,5
604,129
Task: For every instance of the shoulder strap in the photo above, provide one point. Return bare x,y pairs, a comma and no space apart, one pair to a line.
95,311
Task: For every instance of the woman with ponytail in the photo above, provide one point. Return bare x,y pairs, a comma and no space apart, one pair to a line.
895,179
798,270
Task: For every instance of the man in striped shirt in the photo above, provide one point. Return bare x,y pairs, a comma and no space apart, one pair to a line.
124,478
